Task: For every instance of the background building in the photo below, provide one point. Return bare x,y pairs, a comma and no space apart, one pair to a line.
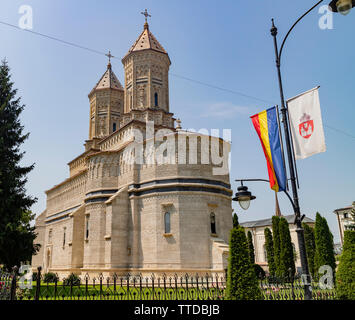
344,219
257,230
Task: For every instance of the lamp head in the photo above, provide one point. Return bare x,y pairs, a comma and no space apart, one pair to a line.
243,196
341,6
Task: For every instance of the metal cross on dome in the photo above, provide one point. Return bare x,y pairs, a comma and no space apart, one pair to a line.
109,55
146,14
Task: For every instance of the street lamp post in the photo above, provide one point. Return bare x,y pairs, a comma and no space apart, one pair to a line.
343,7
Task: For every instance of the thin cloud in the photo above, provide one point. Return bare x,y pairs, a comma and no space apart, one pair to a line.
226,110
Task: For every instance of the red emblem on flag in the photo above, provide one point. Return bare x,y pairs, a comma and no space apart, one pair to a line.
306,127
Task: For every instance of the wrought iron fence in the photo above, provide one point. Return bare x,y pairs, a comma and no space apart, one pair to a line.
138,287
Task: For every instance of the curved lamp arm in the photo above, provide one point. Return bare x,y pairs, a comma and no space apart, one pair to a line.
299,19
265,180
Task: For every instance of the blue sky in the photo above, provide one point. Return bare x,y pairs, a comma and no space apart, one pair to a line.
222,43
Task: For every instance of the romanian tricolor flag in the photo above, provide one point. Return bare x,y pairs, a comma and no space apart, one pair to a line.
267,127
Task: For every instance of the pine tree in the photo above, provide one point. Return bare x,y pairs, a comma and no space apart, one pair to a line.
16,235
276,238
287,267
242,283
310,247
235,221
324,254
269,245
251,248
345,275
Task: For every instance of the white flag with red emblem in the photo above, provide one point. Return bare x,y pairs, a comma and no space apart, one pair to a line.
306,124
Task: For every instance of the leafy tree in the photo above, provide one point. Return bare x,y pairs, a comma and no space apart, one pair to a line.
251,248
242,283
269,246
287,262
276,238
16,235
235,221
310,247
345,276
324,254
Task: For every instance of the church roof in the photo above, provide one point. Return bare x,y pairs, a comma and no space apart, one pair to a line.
145,41
108,80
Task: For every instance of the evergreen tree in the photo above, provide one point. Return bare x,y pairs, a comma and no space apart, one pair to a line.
16,235
310,247
242,283
287,267
251,248
276,238
345,275
324,254
269,246
235,221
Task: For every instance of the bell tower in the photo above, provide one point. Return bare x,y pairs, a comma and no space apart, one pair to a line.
106,104
146,67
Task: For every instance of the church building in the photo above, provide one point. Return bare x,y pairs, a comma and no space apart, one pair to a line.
115,215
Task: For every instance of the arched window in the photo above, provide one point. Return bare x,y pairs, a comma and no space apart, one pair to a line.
64,235
213,222
114,127
167,222
50,236
155,99
87,229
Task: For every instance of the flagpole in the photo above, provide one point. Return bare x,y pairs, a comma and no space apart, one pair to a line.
291,164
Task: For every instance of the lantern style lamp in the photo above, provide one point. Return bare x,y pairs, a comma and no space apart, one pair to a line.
342,6
243,196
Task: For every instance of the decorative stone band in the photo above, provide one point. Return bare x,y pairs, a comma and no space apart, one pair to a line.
99,195
180,184
60,215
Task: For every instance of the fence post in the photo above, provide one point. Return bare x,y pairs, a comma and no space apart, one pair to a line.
38,283
13,283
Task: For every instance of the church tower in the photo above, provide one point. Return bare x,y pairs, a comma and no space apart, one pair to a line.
106,104
146,67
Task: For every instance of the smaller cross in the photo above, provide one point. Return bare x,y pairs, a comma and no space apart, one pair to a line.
146,14
109,55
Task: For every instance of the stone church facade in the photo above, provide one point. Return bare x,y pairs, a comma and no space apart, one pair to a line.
115,215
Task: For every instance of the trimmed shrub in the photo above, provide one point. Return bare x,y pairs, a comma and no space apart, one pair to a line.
287,267
259,271
345,276
242,283
251,248
269,246
235,221
50,277
276,238
310,247
324,254
73,279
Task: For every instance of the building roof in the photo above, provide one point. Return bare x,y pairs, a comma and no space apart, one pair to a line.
108,80
342,209
145,41
268,222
